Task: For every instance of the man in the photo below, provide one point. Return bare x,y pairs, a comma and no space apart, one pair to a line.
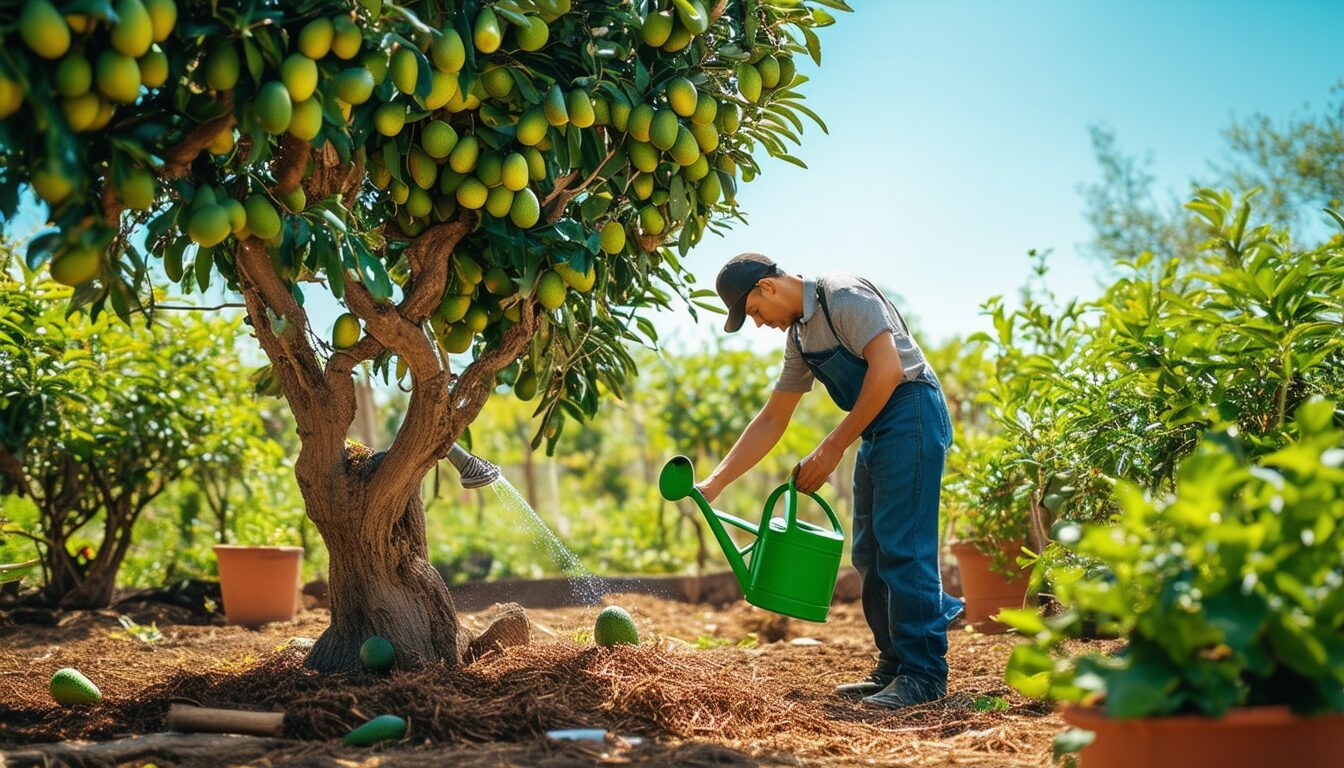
843,331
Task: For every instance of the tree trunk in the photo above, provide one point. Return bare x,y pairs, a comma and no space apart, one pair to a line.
94,590
368,508
385,585
382,587
76,582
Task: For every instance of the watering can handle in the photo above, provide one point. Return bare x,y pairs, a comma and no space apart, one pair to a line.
791,508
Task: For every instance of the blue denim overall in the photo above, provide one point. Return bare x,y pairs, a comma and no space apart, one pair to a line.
897,480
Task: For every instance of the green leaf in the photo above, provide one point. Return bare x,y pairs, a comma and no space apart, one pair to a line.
1028,671
1334,215
423,79
1070,741
1141,688
372,272
202,267
41,249
813,45
1025,620
514,17
677,199
332,264
392,161
414,20
256,67
331,218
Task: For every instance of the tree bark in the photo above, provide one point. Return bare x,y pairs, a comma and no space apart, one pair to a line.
386,586
382,586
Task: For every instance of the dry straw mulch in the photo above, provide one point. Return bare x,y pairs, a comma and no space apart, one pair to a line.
658,691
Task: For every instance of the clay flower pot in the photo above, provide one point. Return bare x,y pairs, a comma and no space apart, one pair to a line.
1264,736
986,591
259,584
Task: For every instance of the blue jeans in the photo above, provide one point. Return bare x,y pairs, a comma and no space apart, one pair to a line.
897,481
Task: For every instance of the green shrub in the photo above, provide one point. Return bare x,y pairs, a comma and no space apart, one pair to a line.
1229,592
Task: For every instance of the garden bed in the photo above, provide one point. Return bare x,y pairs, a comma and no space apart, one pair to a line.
724,686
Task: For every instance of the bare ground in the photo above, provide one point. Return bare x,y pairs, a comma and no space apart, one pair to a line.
721,687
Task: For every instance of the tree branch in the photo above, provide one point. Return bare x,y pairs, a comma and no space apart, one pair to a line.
317,412
429,256
290,163
437,414
384,322
177,160
400,328
558,200
561,184
345,360
429,393
225,305
111,205
476,383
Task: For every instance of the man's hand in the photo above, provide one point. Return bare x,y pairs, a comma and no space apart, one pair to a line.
817,467
709,490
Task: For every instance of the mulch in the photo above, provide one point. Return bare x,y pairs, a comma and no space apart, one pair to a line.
707,686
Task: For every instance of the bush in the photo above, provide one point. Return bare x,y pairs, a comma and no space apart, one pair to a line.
1229,592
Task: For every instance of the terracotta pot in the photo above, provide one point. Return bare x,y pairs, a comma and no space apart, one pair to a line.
259,584
1250,736
986,592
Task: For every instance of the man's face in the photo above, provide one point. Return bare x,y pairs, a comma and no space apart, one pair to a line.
765,306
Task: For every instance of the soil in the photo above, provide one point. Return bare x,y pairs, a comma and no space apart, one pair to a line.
707,686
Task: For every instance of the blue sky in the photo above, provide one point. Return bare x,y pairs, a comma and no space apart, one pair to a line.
959,135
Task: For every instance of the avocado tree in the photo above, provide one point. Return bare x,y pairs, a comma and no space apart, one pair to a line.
512,182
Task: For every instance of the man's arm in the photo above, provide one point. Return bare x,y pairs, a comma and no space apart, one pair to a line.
884,375
756,441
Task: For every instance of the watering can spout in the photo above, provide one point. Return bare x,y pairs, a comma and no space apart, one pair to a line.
676,482
475,471
793,564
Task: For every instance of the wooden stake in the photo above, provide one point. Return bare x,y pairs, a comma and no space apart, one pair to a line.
189,719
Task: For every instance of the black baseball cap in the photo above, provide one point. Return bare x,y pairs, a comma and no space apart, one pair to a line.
737,279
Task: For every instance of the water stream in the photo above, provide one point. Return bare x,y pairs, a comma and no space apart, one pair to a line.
587,587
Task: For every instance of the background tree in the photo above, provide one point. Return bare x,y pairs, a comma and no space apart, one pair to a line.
494,180
1298,164
1126,216
97,422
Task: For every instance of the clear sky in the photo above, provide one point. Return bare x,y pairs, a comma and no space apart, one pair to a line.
959,135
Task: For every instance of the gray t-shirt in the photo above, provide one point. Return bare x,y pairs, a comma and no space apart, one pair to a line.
860,312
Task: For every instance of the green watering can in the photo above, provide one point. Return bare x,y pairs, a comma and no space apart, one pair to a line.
790,567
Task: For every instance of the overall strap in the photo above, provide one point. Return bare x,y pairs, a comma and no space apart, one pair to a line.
826,310
821,300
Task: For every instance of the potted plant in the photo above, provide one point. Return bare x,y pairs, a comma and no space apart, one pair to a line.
1229,595
988,500
259,584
